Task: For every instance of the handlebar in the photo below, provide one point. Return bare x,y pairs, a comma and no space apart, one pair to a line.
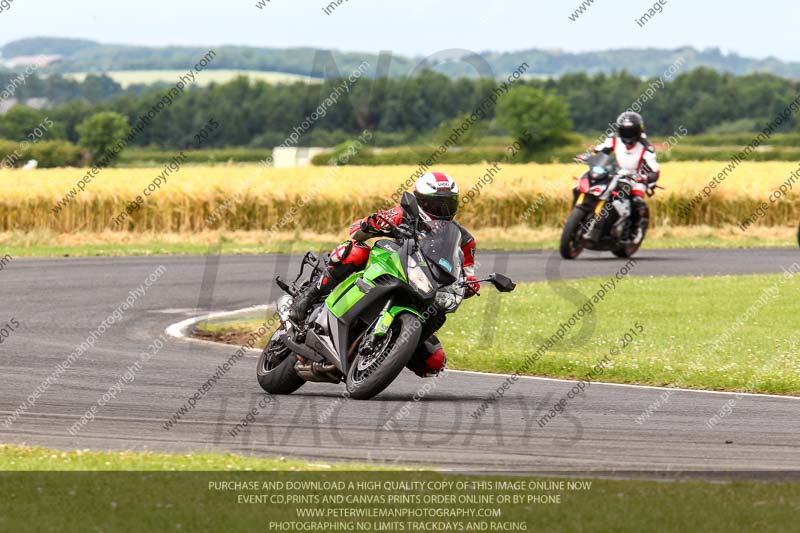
501,282
399,231
581,158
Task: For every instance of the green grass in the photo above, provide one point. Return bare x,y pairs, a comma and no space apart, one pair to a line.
146,500
682,318
670,242
35,249
155,248
708,241
25,458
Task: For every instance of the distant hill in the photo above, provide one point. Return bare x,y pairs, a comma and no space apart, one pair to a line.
77,55
91,57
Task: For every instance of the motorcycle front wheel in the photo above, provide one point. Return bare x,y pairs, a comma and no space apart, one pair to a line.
374,370
572,240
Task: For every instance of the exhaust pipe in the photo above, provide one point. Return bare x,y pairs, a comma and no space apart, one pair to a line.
318,372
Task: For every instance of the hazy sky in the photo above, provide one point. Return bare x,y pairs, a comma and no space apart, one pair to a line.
416,27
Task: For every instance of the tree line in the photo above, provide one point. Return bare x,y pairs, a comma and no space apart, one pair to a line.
403,110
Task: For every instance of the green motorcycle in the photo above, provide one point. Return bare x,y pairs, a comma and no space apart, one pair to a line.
365,332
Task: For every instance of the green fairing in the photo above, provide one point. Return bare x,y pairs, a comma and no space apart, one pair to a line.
346,294
384,262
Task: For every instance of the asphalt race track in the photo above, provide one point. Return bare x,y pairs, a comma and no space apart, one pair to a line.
58,302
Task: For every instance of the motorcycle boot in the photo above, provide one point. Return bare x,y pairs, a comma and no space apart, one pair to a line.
320,286
639,219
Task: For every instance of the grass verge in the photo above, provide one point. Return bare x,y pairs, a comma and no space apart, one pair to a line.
36,458
733,333
235,329
51,244
704,333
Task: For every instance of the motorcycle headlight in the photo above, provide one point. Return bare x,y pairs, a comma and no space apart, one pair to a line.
449,298
597,174
446,301
284,307
418,278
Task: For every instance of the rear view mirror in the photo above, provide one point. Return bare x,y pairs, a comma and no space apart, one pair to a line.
502,282
409,204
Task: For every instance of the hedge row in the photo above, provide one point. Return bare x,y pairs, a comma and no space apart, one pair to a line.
48,154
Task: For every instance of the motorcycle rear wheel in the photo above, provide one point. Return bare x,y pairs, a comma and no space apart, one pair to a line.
275,371
370,374
630,249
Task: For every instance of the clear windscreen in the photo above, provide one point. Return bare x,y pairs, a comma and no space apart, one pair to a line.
602,166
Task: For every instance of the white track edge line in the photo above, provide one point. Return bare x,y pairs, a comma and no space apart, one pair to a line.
178,330
633,385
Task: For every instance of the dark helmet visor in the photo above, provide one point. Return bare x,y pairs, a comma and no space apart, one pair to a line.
439,206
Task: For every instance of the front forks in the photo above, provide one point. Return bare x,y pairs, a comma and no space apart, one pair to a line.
367,341
383,323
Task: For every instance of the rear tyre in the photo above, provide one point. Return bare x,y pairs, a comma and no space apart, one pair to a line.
275,370
572,240
625,251
370,373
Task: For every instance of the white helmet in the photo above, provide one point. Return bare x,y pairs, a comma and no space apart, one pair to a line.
437,195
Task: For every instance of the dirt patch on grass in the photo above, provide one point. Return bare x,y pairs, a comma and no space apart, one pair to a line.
236,337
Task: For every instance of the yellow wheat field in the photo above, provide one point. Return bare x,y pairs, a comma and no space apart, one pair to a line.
320,198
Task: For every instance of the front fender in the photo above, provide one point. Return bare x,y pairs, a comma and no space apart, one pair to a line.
386,320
